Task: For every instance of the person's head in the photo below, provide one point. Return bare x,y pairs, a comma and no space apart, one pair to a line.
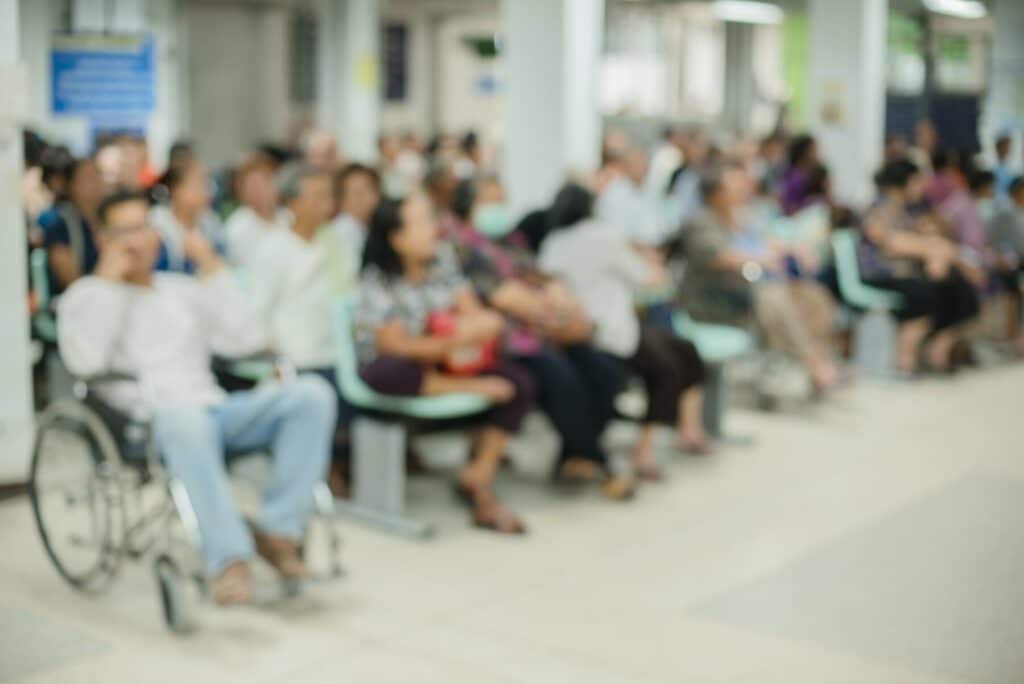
572,204
1016,191
900,180
440,183
402,235
180,154
818,183
925,136
773,150
481,202
122,224
254,183
84,185
982,184
725,187
358,191
470,146
1003,148
188,188
803,152
895,147
55,161
322,152
388,148
306,191
634,163
696,148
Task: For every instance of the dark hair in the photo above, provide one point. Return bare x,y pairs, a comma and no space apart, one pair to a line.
943,159
979,180
535,226
469,142
1016,185
378,251
817,180
799,148
572,204
117,198
464,198
355,169
895,174
175,175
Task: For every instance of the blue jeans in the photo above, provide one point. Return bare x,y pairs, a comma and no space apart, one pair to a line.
294,420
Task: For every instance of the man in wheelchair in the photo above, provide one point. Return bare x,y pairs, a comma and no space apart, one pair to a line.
162,328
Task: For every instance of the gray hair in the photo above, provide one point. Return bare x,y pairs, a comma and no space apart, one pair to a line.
290,178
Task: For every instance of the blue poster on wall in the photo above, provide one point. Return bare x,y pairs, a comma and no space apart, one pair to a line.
106,78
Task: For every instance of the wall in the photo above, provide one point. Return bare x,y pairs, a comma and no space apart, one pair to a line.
237,77
462,106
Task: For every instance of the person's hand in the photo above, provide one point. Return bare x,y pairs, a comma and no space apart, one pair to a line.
114,264
476,328
199,251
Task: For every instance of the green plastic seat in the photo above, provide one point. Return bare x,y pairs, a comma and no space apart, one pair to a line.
44,323
853,289
357,393
716,343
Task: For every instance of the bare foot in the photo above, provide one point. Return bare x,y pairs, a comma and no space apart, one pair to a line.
644,465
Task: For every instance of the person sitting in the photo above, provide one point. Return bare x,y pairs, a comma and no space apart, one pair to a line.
162,328
68,227
1006,236
358,192
548,333
420,331
803,157
732,273
920,265
258,215
187,212
606,273
624,201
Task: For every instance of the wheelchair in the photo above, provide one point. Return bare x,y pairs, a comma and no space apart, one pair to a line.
101,497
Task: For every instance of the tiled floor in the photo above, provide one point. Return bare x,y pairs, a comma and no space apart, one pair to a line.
877,538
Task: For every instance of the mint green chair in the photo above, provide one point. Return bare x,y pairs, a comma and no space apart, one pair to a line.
874,333
717,345
44,323
379,435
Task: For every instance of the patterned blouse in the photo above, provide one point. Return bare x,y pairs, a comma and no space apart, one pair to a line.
384,298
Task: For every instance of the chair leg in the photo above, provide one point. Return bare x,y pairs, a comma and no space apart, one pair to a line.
874,344
714,407
378,492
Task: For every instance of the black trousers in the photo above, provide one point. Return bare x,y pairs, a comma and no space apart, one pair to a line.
576,389
946,302
668,365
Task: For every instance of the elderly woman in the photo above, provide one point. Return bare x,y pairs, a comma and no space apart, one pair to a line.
549,332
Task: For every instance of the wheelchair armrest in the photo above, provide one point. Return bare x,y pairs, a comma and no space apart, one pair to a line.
252,368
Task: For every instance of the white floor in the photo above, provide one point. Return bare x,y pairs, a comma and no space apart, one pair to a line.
598,592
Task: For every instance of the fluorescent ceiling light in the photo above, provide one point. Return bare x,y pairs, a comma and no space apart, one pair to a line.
747,12
966,9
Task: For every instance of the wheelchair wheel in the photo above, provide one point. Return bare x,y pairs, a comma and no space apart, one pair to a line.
176,605
75,490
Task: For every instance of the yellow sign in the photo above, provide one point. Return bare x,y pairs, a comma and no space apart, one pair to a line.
366,72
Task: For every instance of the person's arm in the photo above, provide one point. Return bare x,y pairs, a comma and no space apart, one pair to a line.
474,323
232,324
392,340
91,315
63,264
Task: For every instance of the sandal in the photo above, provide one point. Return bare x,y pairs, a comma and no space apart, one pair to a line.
488,514
619,487
233,586
577,471
282,554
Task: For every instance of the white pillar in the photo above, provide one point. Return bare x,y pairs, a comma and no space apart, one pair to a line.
349,79
739,76
88,15
15,376
170,117
1004,108
846,91
552,124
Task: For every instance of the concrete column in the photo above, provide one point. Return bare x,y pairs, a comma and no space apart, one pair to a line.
846,91
552,124
349,79
1004,107
15,376
739,75
170,118
88,15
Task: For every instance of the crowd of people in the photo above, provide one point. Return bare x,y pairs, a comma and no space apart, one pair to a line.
556,309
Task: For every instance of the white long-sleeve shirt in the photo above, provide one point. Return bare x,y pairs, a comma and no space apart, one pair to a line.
246,232
291,289
164,334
